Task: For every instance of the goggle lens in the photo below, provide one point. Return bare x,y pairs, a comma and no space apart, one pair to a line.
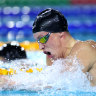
44,39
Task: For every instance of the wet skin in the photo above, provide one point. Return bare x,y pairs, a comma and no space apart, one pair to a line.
62,45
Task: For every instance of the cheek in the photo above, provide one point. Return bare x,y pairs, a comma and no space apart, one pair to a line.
54,43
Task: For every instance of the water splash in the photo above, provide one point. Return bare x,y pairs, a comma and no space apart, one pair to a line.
65,75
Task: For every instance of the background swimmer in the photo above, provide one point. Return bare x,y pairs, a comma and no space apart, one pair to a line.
50,29
12,51
15,62
9,52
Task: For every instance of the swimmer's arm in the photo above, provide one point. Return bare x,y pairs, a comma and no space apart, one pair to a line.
87,57
5,82
92,73
85,54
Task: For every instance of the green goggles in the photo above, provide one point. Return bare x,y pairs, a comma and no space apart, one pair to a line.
44,39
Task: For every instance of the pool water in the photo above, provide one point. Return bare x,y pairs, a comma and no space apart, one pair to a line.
56,93
67,84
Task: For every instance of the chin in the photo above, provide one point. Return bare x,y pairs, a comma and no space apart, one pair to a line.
54,58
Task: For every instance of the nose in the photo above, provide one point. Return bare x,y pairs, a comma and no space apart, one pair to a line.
41,46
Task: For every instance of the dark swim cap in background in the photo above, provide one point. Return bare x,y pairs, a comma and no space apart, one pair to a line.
13,51
50,20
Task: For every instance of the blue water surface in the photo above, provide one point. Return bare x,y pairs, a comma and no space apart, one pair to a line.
44,93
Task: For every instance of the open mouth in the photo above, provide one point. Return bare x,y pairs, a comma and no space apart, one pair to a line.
48,53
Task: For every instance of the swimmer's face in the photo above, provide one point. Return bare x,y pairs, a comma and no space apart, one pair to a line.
52,48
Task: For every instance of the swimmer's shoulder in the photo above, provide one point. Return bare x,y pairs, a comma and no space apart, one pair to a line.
88,45
85,53
84,48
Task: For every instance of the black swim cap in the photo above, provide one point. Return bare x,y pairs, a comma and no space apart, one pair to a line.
50,20
11,51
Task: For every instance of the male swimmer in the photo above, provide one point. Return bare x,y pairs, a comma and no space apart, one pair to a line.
50,29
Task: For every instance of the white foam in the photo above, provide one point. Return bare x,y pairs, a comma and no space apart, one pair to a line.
64,74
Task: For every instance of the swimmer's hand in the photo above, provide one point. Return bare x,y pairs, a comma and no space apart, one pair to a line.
5,82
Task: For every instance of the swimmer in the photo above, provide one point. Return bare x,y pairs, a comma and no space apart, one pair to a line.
50,29
9,52
12,51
